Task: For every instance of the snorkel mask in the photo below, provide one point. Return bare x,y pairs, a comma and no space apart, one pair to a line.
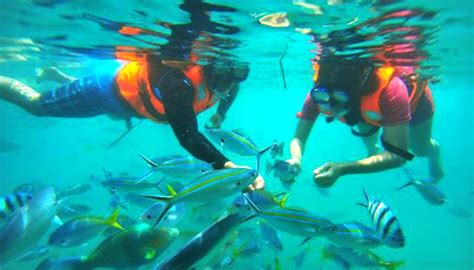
335,101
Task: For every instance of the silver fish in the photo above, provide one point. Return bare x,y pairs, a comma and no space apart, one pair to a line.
237,142
295,221
384,221
213,185
427,188
11,203
354,235
180,166
25,228
362,258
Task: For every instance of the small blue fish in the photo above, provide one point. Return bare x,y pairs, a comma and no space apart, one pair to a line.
74,190
11,203
72,210
263,199
26,227
237,142
427,188
179,166
295,221
270,236
361,258
77,231
282,170
213,185
384,221
354,235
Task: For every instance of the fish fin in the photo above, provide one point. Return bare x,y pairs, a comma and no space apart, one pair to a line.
306,240
366,196
268,167
261,152
283,200
162,215
58,220
248,218
252,204
145,176
392,265
148,160
112,220
362,204
163,198
171,190
405,185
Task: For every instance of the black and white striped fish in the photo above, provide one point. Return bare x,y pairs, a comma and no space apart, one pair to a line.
385,222
12,202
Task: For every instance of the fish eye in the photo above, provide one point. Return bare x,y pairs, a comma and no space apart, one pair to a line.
29,197
222,140
148,216
237,184
63,242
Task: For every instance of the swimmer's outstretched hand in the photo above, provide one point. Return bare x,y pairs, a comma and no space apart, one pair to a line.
215,121
327,174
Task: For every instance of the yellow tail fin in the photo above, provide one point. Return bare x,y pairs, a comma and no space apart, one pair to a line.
283,200
112,220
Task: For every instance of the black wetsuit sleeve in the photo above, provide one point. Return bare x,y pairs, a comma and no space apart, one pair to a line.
225,103
177,96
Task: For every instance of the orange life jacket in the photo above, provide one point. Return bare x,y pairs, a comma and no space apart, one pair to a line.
134,88
370,104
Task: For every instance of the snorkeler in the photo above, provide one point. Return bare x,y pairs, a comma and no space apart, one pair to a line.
167,88
368,98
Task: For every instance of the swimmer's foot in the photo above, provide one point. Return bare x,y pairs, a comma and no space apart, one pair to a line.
52,74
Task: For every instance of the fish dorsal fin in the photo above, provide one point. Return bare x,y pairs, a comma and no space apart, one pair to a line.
171,190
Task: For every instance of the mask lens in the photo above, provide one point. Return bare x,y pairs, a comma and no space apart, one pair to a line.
320,95
340,96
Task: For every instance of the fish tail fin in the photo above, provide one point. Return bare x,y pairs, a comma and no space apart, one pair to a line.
112,220
252,204
145,176
268,167
393,265
306,240
283,200
405,185
150,162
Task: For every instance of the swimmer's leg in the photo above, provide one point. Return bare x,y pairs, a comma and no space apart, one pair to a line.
20,94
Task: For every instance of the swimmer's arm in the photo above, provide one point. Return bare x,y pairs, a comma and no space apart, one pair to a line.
297,144
177,100
396,135
226,103
370,143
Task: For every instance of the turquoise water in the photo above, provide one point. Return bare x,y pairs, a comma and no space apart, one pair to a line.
62,152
